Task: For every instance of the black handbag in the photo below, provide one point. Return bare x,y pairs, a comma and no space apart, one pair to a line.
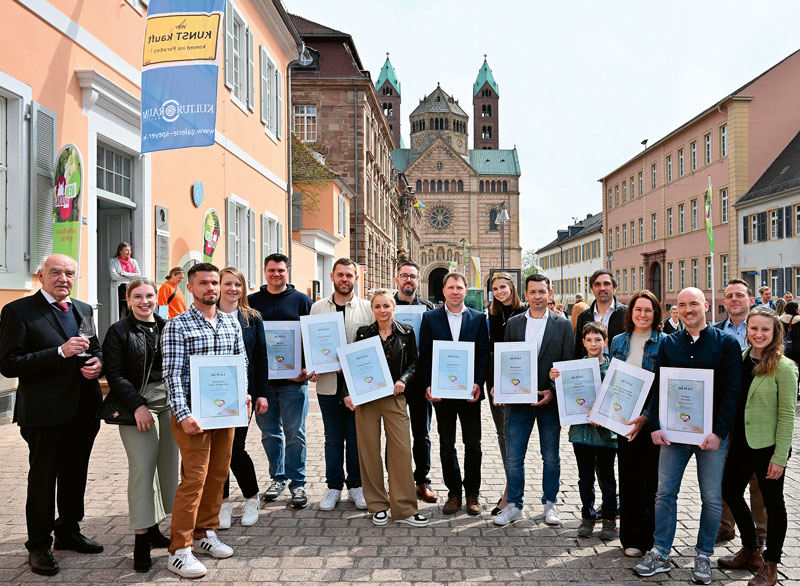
113,412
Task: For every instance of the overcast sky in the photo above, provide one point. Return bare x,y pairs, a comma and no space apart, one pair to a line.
581,83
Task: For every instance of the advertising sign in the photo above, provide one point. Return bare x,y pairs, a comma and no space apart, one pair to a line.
67,191
211,229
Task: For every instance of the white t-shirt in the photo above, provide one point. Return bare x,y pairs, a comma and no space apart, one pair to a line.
534,328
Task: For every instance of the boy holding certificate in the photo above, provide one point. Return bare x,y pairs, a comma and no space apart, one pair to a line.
595,449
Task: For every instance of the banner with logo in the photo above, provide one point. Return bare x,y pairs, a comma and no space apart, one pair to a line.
180,63
211,230
67,192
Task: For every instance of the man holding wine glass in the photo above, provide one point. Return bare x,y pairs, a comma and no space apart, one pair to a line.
57,400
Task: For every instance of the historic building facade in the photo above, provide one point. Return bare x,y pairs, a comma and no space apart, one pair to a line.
462,189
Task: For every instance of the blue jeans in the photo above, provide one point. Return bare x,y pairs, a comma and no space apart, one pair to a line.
520,425
285,417
671,465
340,431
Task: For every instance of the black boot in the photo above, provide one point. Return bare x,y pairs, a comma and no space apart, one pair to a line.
141,553
157,539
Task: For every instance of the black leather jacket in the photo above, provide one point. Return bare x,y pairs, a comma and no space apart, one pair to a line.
403,362
127,361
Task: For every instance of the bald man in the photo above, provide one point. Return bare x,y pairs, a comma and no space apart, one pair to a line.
57,400
703,347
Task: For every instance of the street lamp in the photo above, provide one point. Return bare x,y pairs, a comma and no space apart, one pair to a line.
502,219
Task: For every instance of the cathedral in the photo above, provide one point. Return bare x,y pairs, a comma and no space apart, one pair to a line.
462,190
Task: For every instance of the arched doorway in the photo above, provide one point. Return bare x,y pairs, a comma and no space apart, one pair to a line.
655,279
436,284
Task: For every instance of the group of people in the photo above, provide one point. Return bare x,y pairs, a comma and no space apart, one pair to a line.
146,358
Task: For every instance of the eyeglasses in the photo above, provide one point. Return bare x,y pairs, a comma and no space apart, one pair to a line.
551,303
406,277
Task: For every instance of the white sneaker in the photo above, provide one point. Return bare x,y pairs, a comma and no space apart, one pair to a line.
225,515
330,500
508,515
250,512
551,516
211,545
416,520
183,563
356,496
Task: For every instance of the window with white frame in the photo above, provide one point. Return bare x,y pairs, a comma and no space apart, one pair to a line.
624,235
641,277
610,200
114,171
641,230
653,176
3,180
633,279
305,123
610,240
624,280
633,193
754,228
681,163
653,226
797,226
669,168
723,140
773,279
616,195
641,183
723,261
237,39
241,241
773,224
619,279
682,274
669,222
693,154
797,281
271,95
681,219
709,278
633,235
670,280
616,234
624,192
723,205
342,217
694,214
707,140
695,275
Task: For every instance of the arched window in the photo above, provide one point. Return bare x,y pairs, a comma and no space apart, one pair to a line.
489,111
505,186
460,185
481,187
446,185
439,185
425,185
492,186
493,220
488,132
419,184
483,132
432,127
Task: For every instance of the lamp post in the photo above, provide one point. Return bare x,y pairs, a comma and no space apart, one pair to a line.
502,219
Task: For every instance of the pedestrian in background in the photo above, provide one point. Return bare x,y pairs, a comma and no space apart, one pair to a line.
673,323
579,307
170,295
123,268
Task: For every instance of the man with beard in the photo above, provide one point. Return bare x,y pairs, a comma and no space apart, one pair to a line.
419,408
605,309
205,455
338,421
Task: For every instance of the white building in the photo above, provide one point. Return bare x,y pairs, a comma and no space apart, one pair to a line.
769,235
572,257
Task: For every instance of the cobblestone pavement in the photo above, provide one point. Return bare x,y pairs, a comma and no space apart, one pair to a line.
344,547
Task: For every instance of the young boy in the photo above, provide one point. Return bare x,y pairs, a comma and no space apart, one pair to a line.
595,449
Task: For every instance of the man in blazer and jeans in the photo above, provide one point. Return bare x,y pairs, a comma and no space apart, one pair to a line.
455,321
57,401
553,336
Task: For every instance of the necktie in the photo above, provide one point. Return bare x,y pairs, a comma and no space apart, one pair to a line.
61,305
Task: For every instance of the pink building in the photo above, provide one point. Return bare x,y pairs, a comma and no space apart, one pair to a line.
653,204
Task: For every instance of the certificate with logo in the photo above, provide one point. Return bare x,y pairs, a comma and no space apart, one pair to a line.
515,372
366,371
453,369
219,391
622,396
322,334
283,349
686,404
410,315
576,389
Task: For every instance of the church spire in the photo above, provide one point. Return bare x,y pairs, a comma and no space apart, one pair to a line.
484,76
387,74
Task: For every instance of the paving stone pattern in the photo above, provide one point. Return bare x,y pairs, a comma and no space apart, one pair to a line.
344,547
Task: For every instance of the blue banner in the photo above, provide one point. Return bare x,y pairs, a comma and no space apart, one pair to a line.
182,47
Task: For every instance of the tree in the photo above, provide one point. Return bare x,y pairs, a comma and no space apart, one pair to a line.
530,263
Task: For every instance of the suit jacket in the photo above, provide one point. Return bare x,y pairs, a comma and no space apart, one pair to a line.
616,325
436,327
557,344
50,387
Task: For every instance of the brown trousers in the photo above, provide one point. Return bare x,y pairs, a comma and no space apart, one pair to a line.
402,497
756,508
205,459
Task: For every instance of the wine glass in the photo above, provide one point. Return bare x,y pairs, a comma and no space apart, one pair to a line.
86,331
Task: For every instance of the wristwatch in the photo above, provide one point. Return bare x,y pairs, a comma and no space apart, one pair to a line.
61,352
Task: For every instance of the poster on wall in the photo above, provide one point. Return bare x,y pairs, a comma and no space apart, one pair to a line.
67,191
211,228
180,64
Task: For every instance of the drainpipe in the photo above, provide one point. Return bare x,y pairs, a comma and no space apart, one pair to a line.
355,169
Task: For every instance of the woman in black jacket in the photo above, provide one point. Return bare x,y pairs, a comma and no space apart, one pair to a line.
132,365
400,349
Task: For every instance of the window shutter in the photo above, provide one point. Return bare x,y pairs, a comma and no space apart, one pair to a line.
230,242
251,248
264,81
278,103
787,220
297,210
228,45
251,82
780,222
762,226
787,280
745,229
43,162
779,288
280,237
763,278
265,243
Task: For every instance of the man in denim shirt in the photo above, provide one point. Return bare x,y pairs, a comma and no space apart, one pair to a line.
698,346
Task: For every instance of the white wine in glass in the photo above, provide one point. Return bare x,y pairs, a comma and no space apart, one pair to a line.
86,331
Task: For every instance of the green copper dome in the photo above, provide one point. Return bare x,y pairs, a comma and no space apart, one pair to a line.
484,75
387,74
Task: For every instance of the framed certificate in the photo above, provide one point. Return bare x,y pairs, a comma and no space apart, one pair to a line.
283,349
365,370
219,391
515,372
686,404
410,315
453,369
622,396
576,389
322,334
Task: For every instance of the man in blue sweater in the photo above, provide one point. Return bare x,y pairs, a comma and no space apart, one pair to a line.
287,398
698,346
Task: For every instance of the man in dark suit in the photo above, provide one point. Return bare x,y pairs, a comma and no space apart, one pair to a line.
455,321
553,336
57,400
605,309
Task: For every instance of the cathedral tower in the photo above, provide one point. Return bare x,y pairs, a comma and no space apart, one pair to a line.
389,95
485,99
